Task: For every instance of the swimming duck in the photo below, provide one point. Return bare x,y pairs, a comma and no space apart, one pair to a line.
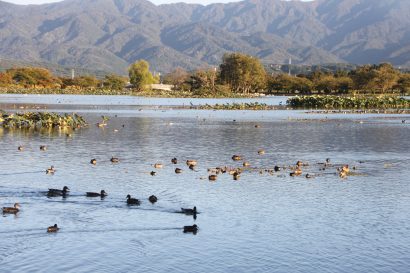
43,148
193,229
296,172
158,166
342,174
152,173
189,211
308,176
213,177
257,126
174,161
54,228
93,161
13,210
277,168
236,176
101,194
191,167
114,159
192,162
58,192
246,164
51,170
236,157
20,148
261,152
153,199
132,201
345,169
178,170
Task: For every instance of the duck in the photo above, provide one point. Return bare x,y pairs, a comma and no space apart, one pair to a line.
54,228
246,164
20,148
174,161
296,172
213,177
191,167
152,199
345,169
189,211
308,176
13,210
178,170
277,168
193,229
158,166
93,161
236,176
152,173
236,157
101,194
257,126
43,148
342,174
191,162
58,192
132,201
51,170
261,152
114,159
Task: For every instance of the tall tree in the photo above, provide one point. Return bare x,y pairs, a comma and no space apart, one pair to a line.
140,76
243,73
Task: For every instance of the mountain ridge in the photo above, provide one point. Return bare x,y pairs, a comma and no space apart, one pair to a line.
111,34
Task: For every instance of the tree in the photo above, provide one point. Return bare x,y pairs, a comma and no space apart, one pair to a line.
140,76
33,76
403,84
243,73
114,82
5,79
178,77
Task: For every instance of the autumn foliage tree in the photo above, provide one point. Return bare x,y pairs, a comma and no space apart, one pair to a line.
140,76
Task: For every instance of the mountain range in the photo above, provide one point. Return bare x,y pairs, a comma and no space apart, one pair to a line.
110,34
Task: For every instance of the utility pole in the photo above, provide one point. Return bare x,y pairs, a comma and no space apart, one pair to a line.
72,74
290,63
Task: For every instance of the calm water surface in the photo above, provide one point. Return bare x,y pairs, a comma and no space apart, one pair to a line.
261,223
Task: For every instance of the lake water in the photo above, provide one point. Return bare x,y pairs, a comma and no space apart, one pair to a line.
260,223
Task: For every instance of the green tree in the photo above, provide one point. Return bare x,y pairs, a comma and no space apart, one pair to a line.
114,82
140,76
243,73
403,84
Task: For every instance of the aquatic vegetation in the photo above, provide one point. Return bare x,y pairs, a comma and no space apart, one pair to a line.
238,106
357,102
41,120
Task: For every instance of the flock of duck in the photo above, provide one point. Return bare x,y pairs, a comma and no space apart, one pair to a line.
295,170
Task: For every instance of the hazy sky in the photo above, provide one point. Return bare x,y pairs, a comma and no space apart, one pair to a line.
23,2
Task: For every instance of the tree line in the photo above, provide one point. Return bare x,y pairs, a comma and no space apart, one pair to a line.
237,74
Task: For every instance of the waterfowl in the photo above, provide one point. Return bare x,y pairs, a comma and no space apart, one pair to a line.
189,211
277,168
257,126
308,176
132,201
43,148
174,161
213,177
152,199
236,157
58,192
96,194
13,210
246,164
54,228
193,229
296,172
20,148
114,159
93,161
51,170
261,152
191,167
342,174
152,173
345,169
236,176
158,166
178,170
190,162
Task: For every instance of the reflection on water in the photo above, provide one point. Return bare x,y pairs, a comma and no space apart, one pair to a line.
262,222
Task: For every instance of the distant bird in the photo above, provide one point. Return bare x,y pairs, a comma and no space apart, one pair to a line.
246,164
236,157
158,166
213,177
101,194
12,210
189,211
277,168
152,173
20,148
114,159
261,152
191,162
174,161
191,167
191,229
51,170
178,170
132,201
308,176
43,148
54,228
153,199
93,161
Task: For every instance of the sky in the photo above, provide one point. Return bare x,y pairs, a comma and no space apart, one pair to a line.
204,2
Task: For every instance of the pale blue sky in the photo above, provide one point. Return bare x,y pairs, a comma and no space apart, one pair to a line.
204,2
